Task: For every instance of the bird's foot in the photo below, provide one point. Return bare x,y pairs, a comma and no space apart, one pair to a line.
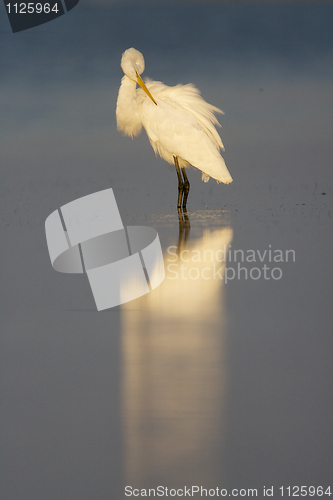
185,200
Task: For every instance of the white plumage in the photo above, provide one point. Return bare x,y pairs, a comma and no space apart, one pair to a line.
179,123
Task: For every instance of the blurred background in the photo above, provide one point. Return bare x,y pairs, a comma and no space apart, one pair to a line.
225,386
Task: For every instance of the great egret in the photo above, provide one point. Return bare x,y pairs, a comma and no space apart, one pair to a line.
178,121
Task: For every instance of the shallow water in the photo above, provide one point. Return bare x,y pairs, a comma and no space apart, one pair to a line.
222,376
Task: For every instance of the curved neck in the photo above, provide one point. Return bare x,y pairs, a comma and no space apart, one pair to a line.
127,112
127,92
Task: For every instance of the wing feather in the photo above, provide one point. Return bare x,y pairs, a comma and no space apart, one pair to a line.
188,98
182,125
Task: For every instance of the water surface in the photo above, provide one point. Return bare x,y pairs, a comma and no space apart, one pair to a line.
217,382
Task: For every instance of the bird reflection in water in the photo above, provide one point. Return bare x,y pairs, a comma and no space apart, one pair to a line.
173,379
184,225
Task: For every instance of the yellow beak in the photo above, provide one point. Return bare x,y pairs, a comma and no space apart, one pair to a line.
140,82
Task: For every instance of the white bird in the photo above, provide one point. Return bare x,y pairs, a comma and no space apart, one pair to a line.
179,123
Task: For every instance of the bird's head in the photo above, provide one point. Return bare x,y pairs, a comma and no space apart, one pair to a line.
133,64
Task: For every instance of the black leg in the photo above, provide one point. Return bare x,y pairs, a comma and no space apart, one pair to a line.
186,188
186,181
180,183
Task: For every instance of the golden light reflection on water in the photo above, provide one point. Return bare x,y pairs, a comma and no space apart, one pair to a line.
174,372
